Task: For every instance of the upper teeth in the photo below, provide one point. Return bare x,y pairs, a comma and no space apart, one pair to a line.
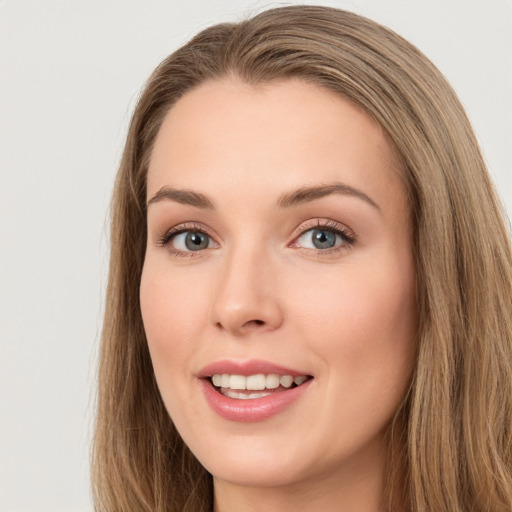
256,382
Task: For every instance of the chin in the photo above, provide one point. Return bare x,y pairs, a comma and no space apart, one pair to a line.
251,473
256,460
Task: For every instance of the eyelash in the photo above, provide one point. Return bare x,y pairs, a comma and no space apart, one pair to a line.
347,236
168,236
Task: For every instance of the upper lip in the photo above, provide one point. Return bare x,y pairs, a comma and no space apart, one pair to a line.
251,367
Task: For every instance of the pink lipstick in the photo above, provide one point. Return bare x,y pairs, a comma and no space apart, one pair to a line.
251,391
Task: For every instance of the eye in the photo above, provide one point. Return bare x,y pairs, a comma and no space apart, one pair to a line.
319,239
186,240
325,238
191,241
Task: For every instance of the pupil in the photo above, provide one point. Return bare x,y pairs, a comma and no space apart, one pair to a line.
196,241
323,239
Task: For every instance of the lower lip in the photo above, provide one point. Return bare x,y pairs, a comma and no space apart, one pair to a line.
251,410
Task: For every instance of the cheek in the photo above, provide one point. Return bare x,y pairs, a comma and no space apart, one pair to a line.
173,313
364,323
363,328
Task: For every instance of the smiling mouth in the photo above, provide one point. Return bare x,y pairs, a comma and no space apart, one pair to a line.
255,386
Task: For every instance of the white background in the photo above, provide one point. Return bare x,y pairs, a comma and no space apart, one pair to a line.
70,72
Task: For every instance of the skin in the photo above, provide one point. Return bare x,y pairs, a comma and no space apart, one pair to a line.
262,290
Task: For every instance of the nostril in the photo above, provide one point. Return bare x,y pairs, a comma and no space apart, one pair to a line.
246,324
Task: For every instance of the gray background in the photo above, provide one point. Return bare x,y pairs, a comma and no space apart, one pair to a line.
70,72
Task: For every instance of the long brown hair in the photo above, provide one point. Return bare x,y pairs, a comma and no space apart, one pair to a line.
451,440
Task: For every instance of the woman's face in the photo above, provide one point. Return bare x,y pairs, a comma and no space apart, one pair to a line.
278,253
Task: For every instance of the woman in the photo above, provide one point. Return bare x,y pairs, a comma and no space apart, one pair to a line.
309,303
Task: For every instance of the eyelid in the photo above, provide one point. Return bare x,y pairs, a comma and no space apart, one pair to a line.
327,224
165,237
347,234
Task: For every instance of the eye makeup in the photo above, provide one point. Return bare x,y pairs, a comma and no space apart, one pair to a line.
320,236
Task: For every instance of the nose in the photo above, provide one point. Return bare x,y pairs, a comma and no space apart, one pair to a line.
246,300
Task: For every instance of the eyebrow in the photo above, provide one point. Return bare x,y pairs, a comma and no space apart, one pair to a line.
307,194
299,196
188,197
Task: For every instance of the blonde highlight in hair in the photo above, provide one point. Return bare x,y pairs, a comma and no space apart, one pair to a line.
451,440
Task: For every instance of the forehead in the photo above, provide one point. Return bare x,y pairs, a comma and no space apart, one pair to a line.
239,133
